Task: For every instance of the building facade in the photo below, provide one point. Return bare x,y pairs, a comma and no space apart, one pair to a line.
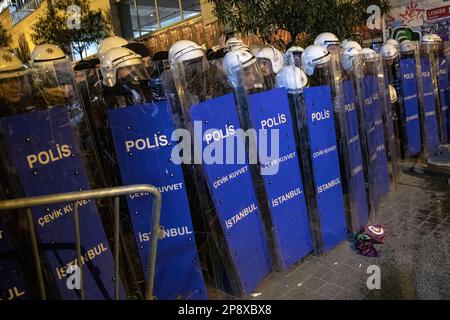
159,23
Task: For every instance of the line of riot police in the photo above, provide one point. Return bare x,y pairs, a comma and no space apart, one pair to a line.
341,118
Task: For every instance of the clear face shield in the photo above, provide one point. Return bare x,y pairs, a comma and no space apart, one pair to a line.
190,77
195,73
322,74
159,80
391,67
131,87
411,50
16,94
252,78
430,51
392,78
439,47
295,81
196,80
56,83
133,74
446,50
81,77
266,68
247,79
297,59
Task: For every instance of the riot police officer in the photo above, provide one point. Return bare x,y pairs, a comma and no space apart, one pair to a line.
16,94
270,61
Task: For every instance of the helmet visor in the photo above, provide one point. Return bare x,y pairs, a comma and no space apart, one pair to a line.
16,94
56,83
265,65
252,78
132,74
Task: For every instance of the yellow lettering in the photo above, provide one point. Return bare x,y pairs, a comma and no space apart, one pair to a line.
31,160
66,150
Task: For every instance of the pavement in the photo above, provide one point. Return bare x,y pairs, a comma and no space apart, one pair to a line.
414,260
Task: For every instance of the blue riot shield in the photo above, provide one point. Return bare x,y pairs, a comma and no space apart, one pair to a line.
284,189
409,95
357,180
276,172
391,128
372,123
44,150
352,169
48,149
325,165
141,148
348,141
220,162
142,139
443,84
12,280
313,112
429,101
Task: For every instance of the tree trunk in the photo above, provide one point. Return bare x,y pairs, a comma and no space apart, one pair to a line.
293,39
80,50
51,8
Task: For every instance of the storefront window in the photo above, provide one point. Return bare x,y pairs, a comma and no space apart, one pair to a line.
140,17
191,8
20,9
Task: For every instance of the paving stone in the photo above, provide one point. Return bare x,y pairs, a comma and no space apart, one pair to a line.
336,279
305,294
313,283
414,260
316,270
330,291
297,277
355,285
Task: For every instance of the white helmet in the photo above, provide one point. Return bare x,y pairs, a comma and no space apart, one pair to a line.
393,42
114,59
292,78
313,56
255,48
393,94
233,41
109,43
427,39
10,65
272,54
232,62
326,39
388,51
407,46
348,55
295,49
350,44
184,50
235,44
368,54
436,37
47,53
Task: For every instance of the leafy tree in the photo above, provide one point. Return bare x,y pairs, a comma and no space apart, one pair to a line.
5,37
60,24
303,19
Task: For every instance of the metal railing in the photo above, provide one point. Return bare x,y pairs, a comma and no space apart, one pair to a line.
74,197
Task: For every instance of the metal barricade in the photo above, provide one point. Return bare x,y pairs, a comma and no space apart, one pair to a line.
73,197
